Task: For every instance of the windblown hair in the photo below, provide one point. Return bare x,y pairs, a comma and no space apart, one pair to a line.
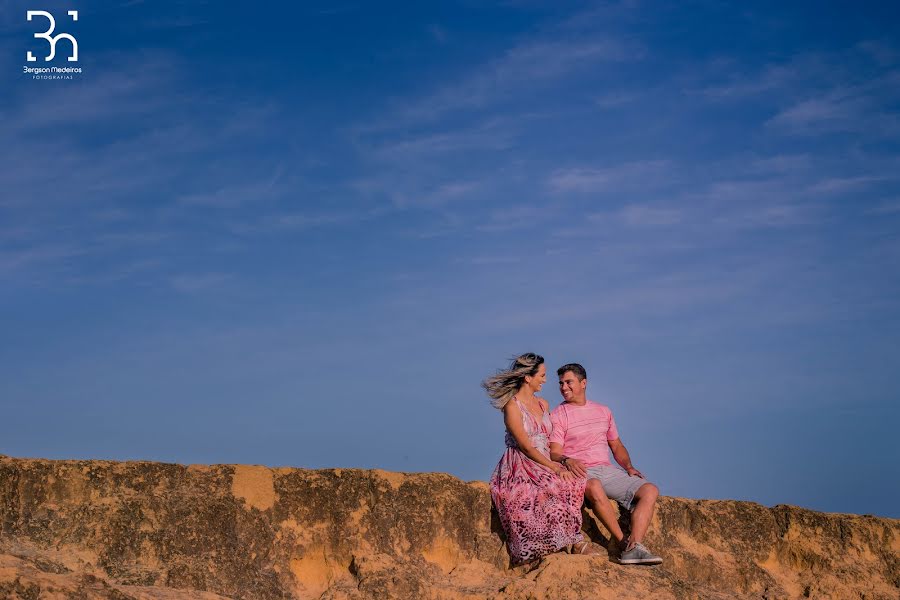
502,386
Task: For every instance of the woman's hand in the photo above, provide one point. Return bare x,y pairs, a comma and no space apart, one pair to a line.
564,474
576,466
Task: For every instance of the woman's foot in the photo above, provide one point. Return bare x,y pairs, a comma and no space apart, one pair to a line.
585,547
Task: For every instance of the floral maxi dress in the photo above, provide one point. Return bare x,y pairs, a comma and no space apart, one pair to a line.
540,512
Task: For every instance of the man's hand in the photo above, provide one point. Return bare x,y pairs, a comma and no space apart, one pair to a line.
632,472
576,466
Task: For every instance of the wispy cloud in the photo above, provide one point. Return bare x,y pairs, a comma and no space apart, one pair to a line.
236,195
768,215
131,187
744,86
16,259
616,99
142,270
843,184
861,108
198,282
599,179
438,195
846,91
888,207
111,94
780,163
834,111
438,33
287,222
492,134
885,53
650,216
522,69
668,295
523,216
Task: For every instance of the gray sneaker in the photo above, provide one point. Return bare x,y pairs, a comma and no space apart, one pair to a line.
639,555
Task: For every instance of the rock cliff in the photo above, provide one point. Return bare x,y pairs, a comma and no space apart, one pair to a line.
95,529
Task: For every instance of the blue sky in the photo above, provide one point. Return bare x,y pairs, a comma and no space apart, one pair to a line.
302,233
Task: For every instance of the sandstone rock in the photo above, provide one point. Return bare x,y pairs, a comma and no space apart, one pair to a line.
139,530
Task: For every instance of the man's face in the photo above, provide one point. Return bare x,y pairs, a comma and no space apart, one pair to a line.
571,387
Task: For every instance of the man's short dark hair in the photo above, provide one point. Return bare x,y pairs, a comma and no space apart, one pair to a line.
579,371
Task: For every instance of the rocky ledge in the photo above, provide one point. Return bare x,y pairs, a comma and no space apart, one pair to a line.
123,530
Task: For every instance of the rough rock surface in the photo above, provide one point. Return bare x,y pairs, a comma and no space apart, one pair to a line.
95,529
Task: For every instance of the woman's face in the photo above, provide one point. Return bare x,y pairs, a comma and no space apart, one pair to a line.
537,380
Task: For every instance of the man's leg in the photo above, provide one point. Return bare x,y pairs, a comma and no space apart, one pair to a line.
640,496
642,513
596,497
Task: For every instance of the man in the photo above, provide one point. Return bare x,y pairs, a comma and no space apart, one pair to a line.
583,433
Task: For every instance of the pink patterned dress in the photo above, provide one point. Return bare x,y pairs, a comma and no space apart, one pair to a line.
540,512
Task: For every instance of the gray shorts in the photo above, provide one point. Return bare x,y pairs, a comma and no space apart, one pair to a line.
617,484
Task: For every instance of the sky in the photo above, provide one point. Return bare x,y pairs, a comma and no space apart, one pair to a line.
302,233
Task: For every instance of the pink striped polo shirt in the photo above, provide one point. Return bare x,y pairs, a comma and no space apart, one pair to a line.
584,431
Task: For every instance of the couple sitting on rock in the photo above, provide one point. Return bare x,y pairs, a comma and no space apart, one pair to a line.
555,460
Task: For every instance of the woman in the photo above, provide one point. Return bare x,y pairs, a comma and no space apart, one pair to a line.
538,500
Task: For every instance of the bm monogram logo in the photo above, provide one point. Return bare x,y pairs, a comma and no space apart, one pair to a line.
51,39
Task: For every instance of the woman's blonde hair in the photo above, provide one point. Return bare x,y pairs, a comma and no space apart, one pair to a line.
502,386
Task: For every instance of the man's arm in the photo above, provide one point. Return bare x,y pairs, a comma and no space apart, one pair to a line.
556,451
620,453
573,464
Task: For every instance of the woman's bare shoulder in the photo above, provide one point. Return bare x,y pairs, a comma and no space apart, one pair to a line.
511,406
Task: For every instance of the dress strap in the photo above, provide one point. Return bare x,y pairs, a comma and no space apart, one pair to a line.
538,422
